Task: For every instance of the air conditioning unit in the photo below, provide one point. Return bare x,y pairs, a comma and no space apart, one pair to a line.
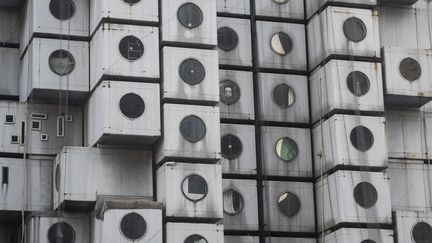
409,185
238,149
413,227
123,114
130,10
314,6
81,174
233,7
407,134
25,184
289,9
397,2
190,191
9,67
234,42
38,128
289,240
55,18
407,77
124,220
346,85
359,235
353,197
281,45
286,151
284,98
9,25
289,206
54,69
236,95
241,239
188,233
191,133
190,74
346,140
339,31
124,52
240,204
189,21
49,227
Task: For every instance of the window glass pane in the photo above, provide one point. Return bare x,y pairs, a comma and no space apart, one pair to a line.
131,2
281,43
358,83
289,204
193,129
286,149
61,232
194,188
233,202
195,239
61,62
422,232
227,39
410,69
132,105
231,147
362,138
229,92
62,9
133,226
192,71
354,29
365,194
283,96
190,15
131,48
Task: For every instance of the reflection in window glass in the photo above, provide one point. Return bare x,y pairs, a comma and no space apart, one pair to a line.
283,96
365,194
286,149
229,92
289,204
194,188
131,48
281,43
410,69
61,62
354,29
358,83
133,226
190,15
233,202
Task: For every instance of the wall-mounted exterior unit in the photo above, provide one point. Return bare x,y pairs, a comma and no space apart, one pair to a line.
190,133
190,74
191,191
359,235
9,68
233,7
353,197
286,151
293,9
81,174
188,233
125,114
346,85
351,141
238,149
9,25
236,95
314,6
413,227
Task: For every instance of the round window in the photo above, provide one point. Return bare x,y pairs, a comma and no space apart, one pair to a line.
280,1
422,232
283,96
358,83
227,38
132,105
232,147
194,188
365,194
289,204
354,29
233,202
362,138
61,232
57,177
286,149
190,15
62,9
368,241
192,71
281,44
133,226
61,62
229,92
131,2
410,69
131,48
193,129
195,239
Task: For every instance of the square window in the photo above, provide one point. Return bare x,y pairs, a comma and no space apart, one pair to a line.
36,125
9,119
44,137
14,139
39,116
69,118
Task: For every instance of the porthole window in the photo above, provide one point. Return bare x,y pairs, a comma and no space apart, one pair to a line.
289,204
133,226
192,71
193,129
354,29
131,2
283,96
232,147
280,1
227,38
132,105
131,48
190,15
422,232
410,69
368,241
232,202
365,194
281,43
62,9
362,138
195,239
286,149
61,62
229,92
358,83
194,188
57,177
61,232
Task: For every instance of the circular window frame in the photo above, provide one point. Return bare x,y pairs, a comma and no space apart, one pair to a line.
289,88
241,144
360,73
67,225
57,177
417,62
124,115
238,88
133,4
63,19
181,76
362,24
242,204
202,237
280,211
417,223
199,10
120,229
280,3
276,153
236,38
205,126
184,194
277,53
120,53
368,131
366,207
69,55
